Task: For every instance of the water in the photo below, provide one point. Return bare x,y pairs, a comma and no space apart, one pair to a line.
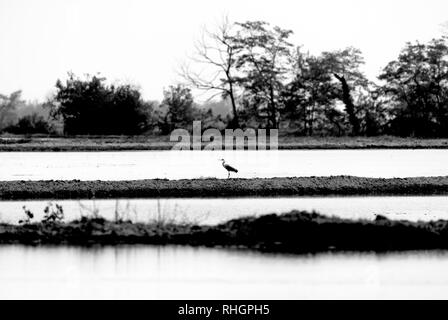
213,211
149,272
134,165
146,272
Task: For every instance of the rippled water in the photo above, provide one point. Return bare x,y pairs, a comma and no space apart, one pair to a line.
213,211
145,272
133,165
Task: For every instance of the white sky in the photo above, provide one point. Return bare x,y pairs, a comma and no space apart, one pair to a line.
144,42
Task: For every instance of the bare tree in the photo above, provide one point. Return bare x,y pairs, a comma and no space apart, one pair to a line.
215,51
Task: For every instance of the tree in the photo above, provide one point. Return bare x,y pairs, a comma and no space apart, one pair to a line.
372,111
345,67
216,50
417,85
89,106
8,105
262,61
309,96
30,124
177,109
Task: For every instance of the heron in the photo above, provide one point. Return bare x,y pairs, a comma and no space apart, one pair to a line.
28,213
228,168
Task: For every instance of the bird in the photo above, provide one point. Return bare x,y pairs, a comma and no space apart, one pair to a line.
228,168
28,213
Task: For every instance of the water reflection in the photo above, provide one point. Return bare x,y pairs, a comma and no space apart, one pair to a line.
146,272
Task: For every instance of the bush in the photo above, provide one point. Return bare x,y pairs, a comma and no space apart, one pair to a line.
91,107
30,124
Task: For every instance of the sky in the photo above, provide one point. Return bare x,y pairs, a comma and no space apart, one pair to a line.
145,42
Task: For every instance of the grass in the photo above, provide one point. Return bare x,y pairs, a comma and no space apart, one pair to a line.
123,143
293,232
163,188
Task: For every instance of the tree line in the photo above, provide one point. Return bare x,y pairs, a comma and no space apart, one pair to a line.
274,84
267,82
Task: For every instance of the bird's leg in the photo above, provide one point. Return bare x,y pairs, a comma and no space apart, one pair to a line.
228,176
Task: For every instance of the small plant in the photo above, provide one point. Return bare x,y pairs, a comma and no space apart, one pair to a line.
28,216
123,214
165,216
92,212
117,213
53,214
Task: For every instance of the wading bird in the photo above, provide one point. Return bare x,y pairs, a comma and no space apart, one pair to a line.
228,168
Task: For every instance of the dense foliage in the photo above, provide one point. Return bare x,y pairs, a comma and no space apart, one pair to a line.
281,86
91,107
417,87
264,81
30,124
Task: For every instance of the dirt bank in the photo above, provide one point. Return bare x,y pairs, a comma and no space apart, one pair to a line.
162,188
294,232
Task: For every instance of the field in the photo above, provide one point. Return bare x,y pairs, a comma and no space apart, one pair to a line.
294,232
117,143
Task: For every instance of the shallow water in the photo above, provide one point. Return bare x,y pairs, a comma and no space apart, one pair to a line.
216,210
134,165
145,272
148,272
